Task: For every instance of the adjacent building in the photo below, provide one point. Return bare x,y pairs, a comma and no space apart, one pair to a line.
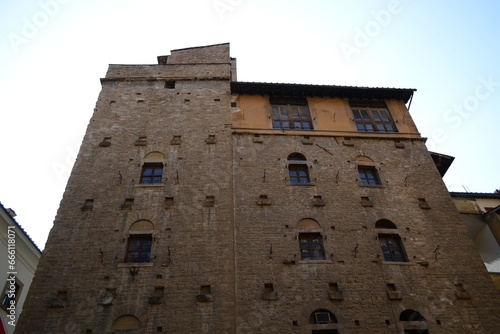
481,214
18,261
202,204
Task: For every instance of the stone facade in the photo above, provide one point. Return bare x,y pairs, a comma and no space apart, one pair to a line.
225,220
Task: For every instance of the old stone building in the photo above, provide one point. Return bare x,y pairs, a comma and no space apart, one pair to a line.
200,204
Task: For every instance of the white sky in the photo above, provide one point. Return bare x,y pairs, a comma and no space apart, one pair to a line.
53,53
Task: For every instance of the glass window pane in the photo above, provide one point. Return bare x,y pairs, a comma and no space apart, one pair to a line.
369,127
306,125
284,112
376,116
365,116
285,125
356,114
385,116
147,171
295,112
361,127
276,113
277,124
380,127
297,125
303,113
389,128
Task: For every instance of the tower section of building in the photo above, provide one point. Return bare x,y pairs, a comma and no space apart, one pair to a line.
144,233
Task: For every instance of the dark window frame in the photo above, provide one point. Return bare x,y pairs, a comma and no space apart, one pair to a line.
299,173
392,248
373,119
315,251
288,116
139,248
5,301
369,176
150,174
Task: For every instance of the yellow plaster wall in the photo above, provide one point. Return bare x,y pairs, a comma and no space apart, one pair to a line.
328,114
466,206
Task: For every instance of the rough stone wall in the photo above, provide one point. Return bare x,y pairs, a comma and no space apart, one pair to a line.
440,254
211,227
82,267
213,54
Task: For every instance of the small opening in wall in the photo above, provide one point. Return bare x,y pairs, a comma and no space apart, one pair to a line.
112,102
205,290
159,276
391,287
356,322
332,227
333,286
159,290
140,101
216,100
295,323
62,294
438,322
170,84
233,104
387,322
159,329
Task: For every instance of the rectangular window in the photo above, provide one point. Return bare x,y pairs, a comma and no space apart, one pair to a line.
392,248
151,173
368,175
11,292
139,248
290,114
298,173
311,246
372,117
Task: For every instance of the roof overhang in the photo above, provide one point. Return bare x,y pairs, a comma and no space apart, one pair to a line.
442,162
302,90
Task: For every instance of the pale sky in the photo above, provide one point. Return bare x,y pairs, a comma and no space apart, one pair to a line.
53,53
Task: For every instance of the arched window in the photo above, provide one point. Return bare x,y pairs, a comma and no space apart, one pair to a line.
310,240
322,316
413,322
391,244
384,223
152,169
368,174
139,242
298,169
125,323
